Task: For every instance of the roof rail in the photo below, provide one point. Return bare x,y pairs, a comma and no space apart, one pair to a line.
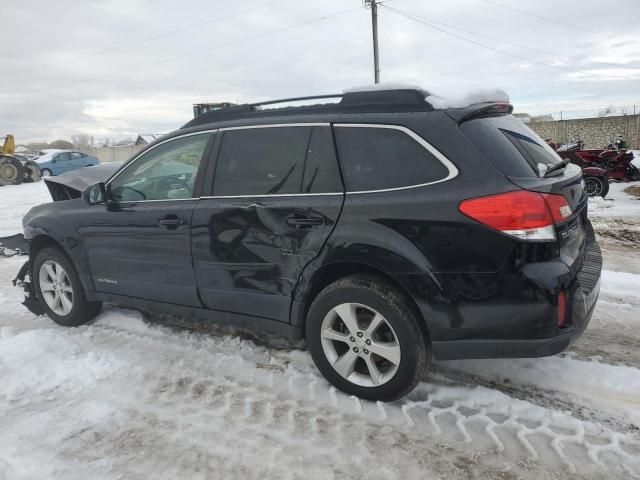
351,101
295,99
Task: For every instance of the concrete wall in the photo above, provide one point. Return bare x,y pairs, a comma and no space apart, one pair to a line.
113,154
595,132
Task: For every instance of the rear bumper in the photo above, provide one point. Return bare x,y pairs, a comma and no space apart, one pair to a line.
584,295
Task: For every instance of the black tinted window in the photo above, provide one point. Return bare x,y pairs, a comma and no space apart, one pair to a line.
321,174
262,161
380,158
535,153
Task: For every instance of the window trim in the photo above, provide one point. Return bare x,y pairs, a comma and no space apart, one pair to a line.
452,169
144,152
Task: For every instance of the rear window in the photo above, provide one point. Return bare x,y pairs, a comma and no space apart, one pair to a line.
512,147
376,158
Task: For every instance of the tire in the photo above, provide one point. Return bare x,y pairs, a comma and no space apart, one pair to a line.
331,342
76,310
596,186
11,171
46,173
32,172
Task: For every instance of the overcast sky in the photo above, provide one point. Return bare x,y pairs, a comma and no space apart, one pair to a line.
48,92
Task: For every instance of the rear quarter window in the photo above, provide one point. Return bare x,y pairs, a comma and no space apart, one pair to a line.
380,158
512,147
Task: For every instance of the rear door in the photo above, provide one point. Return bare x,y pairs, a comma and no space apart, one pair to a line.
274,199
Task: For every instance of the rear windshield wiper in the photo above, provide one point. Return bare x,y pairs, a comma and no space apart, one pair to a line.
556,166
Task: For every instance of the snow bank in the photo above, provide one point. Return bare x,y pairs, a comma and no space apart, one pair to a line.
16,201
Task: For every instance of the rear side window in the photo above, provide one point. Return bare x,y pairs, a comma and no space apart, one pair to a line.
276,161
514,149
376,158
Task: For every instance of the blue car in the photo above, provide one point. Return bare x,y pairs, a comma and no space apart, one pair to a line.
55,162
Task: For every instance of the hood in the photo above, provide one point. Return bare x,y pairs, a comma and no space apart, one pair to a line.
71,184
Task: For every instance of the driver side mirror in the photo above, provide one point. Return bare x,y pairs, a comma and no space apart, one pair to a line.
95,194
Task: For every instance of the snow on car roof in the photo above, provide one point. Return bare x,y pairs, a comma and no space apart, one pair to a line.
464,99
456,100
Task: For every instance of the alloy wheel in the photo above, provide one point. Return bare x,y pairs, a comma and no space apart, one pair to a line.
56,289
360,344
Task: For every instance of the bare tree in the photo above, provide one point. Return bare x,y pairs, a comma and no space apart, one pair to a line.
82,140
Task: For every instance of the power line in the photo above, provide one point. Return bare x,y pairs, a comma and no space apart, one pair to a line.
556,67
481,35
197,52
143,40
547,19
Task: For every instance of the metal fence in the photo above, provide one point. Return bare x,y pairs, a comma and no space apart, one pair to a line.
610,111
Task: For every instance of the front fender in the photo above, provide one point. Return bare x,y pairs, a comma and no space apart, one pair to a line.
48,222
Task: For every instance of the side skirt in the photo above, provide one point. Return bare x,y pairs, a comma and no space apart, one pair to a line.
191,316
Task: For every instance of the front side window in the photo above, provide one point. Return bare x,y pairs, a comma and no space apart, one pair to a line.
62,157
166,172
375,158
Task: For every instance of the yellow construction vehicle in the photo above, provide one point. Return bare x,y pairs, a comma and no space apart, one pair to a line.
15,168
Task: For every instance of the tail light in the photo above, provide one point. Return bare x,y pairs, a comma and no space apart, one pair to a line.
521,214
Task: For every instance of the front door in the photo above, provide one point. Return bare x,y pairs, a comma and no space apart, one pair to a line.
276,197
139,244
61,163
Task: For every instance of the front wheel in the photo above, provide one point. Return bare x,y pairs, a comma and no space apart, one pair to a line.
596,186
365,339
46,172
60,291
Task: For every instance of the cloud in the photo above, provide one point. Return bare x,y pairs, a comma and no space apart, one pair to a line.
150,86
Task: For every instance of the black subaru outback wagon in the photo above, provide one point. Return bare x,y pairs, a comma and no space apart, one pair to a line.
384,231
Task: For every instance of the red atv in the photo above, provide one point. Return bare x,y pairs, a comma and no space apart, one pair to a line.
596,178
617,163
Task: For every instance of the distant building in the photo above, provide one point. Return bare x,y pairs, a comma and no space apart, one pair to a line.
146,138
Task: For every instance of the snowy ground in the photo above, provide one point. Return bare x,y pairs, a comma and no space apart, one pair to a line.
128,398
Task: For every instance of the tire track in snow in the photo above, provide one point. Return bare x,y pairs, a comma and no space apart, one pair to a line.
196,395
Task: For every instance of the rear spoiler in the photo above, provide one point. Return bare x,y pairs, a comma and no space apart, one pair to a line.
480,110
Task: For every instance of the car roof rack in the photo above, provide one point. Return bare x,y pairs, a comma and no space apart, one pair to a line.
361,101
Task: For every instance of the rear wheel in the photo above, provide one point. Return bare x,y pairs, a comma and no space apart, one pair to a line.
59,288
596,186
11,171
32,172
365,339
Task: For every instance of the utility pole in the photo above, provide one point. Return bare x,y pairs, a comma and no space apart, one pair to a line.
373,4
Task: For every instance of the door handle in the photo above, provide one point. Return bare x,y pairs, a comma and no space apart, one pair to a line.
171,221
306,221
